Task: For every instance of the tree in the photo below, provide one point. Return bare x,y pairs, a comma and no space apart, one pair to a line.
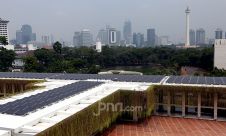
57,46
3,40
6,59
31,64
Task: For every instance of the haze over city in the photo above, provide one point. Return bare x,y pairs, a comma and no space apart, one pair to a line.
63,18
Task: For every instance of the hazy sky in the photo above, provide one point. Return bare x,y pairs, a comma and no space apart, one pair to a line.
62,17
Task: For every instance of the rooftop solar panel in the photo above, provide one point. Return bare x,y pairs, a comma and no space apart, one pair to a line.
29,104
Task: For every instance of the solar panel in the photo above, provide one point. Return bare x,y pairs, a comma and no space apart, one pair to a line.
29,104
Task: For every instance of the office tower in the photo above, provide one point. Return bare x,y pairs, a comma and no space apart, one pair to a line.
4,29
33,37
219,34
102,36
118,37
77,39
187,11
127,32
45,39
19,37
86,38
164,40
200,36
192,37
25,35
138,39
112,36
151,37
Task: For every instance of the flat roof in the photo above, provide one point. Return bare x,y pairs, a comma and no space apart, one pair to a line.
169,126
23,118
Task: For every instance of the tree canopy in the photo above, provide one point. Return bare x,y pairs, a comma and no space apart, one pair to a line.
87,60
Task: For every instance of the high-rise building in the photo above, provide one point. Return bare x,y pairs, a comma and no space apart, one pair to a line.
86,38
219,33
102,36
77,39
46,39
138,39
19,37
225,35
110,36
127,32
151,37
25,35
187,11
164,40
200,36
4,29
192,37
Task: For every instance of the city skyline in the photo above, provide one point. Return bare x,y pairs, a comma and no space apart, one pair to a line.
64,18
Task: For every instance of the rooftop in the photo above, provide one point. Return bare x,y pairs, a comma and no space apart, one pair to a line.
168,126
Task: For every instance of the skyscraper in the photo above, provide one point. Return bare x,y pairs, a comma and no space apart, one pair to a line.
192,37
219,33
46,39
4,29
151,37
187,11
102,36
138,39
25,35
109,36
127,32
200,36
77,39
86,38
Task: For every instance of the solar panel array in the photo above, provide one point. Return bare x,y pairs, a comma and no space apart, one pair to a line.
26,75
29,104
197,80
122,78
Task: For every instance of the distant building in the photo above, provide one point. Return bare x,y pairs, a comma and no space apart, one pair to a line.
219,34
98,46
46,40
4,29
192,37
138,39
25,35
151,37
164,40
103,36
77,39
109,36
200,36
220,54
86,38
127,32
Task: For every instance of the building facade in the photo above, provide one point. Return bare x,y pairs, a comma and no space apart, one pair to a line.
219,34
138,39
86,38
25,35
151,37
192,37
4,29
220,54
200,36
77,39
127,32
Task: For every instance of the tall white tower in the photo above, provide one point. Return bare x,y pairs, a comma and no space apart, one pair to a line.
187,11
